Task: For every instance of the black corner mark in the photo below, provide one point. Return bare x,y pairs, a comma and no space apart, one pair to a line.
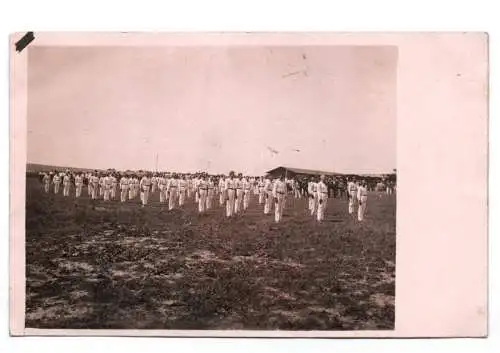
24,41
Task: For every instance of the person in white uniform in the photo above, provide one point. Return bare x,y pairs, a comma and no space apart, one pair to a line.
145,186
202,194
322,196
238,202
352,189
182,183
268,192
161,187
124,182
221,190
56,180
279,194
114,185
46,182
66,184
78,185
260,187
173,191
211,192
229,187
247,192
107,184
362,195
313,196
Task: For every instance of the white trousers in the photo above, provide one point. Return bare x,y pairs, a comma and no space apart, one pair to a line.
229,202
362,208
246,199
202,200
145,194
222,197
56,188
210,197
261,196
312,204
46,187
268,205
94,191
239,200
352,201
113,192
66,189
172,198
182,196
162,193
78,190
279,204
322,202
123,194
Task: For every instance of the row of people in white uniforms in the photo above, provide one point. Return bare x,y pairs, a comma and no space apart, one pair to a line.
318,198
104,186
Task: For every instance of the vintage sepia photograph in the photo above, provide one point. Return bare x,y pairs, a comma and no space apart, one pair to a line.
211,187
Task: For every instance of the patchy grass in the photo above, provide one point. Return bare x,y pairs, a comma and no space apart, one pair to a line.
98,265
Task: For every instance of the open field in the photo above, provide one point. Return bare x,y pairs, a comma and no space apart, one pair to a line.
92,264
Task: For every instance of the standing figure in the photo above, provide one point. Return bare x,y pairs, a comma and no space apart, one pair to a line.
268,192
229,187
260,187
101,185
182,190
78,184
222,191
161,187
114,185
172,191
124,188
154,183
196,180
362,195
313,196
56,180
322,196
107,184
202,194
211,192
247,191
239,194
46,182
66,184
94,183
352,190
145,186
279,194
189,186
296,189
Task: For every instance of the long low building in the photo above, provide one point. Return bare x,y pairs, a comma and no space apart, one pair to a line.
293,172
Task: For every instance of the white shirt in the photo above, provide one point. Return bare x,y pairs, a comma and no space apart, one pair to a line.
279,188
124,182
322,189
229,183
78,180
311,187
352,187
362,192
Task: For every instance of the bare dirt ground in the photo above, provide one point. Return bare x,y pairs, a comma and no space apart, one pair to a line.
91,264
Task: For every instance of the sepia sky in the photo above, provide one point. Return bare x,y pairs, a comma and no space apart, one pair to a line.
213,108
